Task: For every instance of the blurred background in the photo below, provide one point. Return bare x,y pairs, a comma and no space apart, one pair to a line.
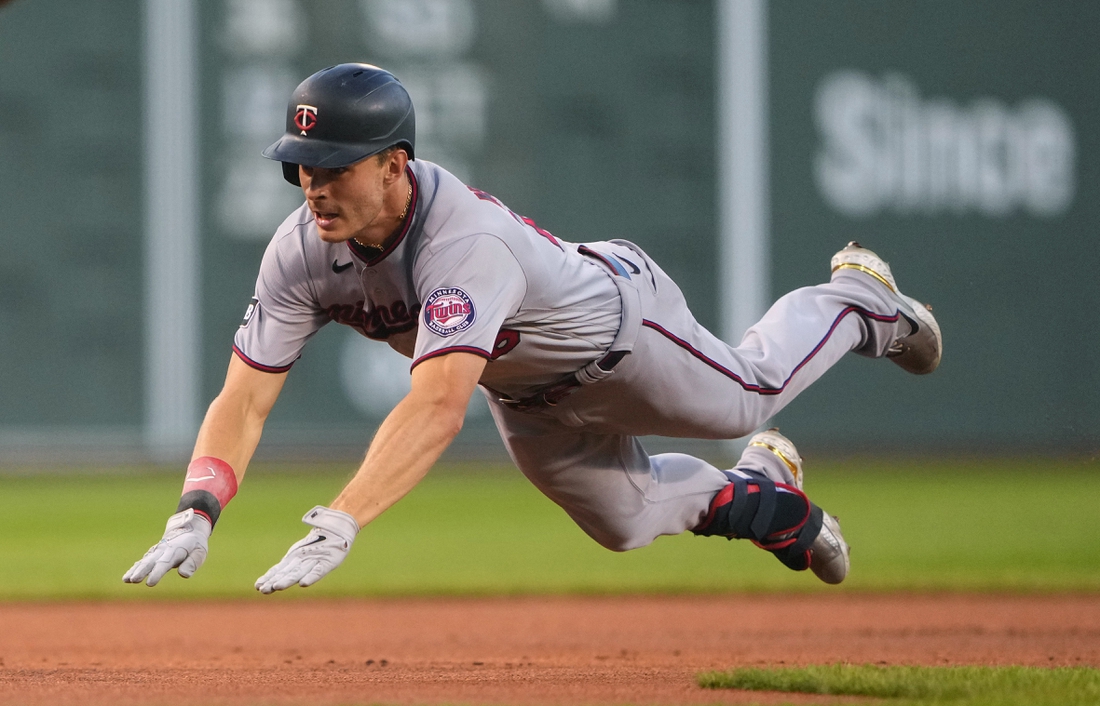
740,143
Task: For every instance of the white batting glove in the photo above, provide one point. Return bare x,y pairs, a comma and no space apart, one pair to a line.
184,545
311,558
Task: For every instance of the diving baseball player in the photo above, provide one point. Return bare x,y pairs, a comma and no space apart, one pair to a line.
579,348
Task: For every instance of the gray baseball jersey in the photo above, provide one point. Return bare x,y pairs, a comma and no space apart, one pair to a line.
466,274
588,346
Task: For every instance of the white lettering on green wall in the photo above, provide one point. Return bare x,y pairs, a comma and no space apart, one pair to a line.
884,147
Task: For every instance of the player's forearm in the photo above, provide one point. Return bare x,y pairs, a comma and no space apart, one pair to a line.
233,423
230,431
409,441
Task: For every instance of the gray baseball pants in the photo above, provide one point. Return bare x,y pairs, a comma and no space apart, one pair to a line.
682,381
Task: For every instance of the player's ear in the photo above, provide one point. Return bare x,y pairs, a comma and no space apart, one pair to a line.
396,159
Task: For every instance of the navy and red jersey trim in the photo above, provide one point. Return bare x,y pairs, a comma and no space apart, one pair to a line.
371,256
260,366
753,387
522,220
452,349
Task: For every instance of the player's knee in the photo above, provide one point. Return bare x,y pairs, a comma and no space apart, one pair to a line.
616,543
618,536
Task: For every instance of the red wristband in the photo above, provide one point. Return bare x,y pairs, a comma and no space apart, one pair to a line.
212,475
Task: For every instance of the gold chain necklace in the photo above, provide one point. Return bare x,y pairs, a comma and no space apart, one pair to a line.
400,222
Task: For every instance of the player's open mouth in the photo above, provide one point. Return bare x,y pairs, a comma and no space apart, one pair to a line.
324,220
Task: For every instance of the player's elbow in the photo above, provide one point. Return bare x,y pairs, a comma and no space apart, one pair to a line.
455,413
447,413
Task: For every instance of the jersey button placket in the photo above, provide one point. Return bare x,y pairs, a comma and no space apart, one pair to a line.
370,284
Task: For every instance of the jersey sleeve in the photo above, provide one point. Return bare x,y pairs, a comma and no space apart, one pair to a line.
282,315
467,290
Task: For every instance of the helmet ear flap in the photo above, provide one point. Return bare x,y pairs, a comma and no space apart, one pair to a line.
290,173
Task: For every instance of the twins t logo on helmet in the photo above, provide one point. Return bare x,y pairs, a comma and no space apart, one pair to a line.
305,118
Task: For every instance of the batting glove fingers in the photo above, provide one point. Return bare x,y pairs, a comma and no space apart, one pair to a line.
183,546
319,552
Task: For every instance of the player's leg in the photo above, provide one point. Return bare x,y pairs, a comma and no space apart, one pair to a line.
681,380
619,495
808,330
624,499
764,502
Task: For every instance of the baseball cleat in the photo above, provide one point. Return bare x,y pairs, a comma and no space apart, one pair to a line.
829,553
816,544
917,352
782,447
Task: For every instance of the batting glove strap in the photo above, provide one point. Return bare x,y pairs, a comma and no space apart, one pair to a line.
186,522
334,521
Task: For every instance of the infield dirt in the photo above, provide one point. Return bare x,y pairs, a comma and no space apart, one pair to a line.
612,650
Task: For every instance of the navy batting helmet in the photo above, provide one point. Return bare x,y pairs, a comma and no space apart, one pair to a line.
341,115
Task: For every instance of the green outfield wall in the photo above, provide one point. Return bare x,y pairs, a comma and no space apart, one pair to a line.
957,139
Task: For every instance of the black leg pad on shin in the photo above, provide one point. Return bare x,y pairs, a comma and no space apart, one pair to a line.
796,556
755,509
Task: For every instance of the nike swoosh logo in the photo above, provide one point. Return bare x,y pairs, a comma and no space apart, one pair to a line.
320,538
911,321
196,480
338,268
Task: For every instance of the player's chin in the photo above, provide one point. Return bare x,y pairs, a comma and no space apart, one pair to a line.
333,234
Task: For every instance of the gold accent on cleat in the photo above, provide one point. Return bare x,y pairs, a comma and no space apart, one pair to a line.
867,270
918,351
780,454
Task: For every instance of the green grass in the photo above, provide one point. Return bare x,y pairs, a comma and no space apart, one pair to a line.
919,686
1013,526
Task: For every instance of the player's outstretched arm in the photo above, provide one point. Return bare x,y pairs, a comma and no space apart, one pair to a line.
408,443
226,442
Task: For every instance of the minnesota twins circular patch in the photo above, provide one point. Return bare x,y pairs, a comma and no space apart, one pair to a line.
448,310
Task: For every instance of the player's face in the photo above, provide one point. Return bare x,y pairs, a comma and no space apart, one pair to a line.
348,202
